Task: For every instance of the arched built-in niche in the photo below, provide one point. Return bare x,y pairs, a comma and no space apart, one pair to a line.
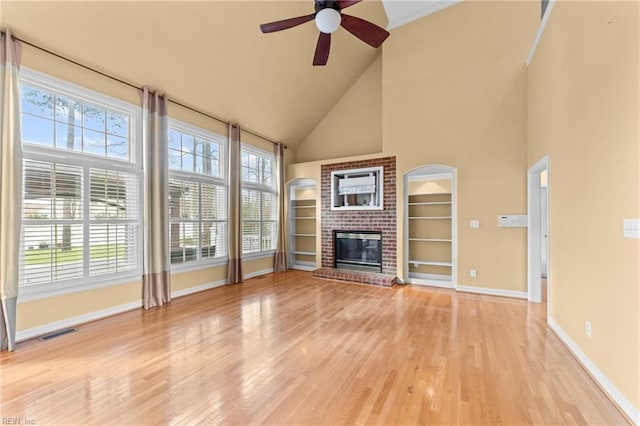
303,198
430,246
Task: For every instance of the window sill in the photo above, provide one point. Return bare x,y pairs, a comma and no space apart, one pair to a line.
258,255
178,268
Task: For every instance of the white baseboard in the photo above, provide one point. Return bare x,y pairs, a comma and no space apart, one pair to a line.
431,283
258,273
30,333
198,288
607,386
492,291
303,267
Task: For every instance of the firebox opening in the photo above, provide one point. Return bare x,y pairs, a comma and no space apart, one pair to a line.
358,250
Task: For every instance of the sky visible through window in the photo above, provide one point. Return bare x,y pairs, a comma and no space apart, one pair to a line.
61,122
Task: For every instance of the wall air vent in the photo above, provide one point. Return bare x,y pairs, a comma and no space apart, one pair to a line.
58,333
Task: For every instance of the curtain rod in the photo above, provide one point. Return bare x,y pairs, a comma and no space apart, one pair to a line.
126,83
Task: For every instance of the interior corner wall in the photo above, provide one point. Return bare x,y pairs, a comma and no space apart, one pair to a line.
454,93
353,126
583,111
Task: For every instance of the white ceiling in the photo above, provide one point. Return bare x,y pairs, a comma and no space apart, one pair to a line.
400,12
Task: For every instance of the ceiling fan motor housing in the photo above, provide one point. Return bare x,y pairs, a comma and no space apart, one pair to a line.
324,4
328,18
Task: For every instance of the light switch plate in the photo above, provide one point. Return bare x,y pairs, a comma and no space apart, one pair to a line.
474,224
631,228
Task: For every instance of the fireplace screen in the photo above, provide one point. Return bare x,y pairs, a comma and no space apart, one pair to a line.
358,250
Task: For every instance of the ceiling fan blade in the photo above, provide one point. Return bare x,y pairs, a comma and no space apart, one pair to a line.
346,3
370,33
286,23
322,49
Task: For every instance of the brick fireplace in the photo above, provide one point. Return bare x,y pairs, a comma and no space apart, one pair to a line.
383,221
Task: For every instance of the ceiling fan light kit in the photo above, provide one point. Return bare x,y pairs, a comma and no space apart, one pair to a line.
328,18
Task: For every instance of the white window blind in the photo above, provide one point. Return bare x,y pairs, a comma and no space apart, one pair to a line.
113,221
197,195
81,190
53,240
259,201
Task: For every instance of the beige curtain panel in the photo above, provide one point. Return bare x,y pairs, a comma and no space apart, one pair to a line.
156,284
280,263
10,188
234,274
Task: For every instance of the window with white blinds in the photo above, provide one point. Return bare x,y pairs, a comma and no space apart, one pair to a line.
197,196
259,201
81,191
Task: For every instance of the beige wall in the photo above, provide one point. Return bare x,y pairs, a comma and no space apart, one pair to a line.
458,98
583,112
38,313
429,186
454,93
353,126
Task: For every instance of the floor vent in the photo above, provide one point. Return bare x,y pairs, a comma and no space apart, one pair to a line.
57,334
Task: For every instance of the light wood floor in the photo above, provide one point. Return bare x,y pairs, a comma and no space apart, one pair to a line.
290,349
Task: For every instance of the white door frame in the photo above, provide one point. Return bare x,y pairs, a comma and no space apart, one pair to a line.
534,239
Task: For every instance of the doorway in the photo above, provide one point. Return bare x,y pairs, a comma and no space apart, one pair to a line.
538,232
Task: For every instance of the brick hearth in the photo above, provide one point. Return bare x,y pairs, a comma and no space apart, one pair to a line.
356,276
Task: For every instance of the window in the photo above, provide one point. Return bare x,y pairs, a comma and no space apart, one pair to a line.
81,194
259,200
197,195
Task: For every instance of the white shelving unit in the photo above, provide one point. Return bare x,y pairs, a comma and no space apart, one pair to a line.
302,225
430,218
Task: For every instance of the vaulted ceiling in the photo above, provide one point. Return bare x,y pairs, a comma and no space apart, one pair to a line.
208,54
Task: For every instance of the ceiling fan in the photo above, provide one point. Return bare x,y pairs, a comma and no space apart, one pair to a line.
329,17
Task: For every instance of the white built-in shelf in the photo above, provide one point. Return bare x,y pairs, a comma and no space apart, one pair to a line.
304,235
430,193
430,203
430,263
305,253
429,217
305,207
441,240
305,217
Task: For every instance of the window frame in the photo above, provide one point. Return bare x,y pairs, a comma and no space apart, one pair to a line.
201,178
35,152
260,187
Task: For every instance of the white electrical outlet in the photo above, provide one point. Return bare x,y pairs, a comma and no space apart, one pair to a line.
474,273
587,328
